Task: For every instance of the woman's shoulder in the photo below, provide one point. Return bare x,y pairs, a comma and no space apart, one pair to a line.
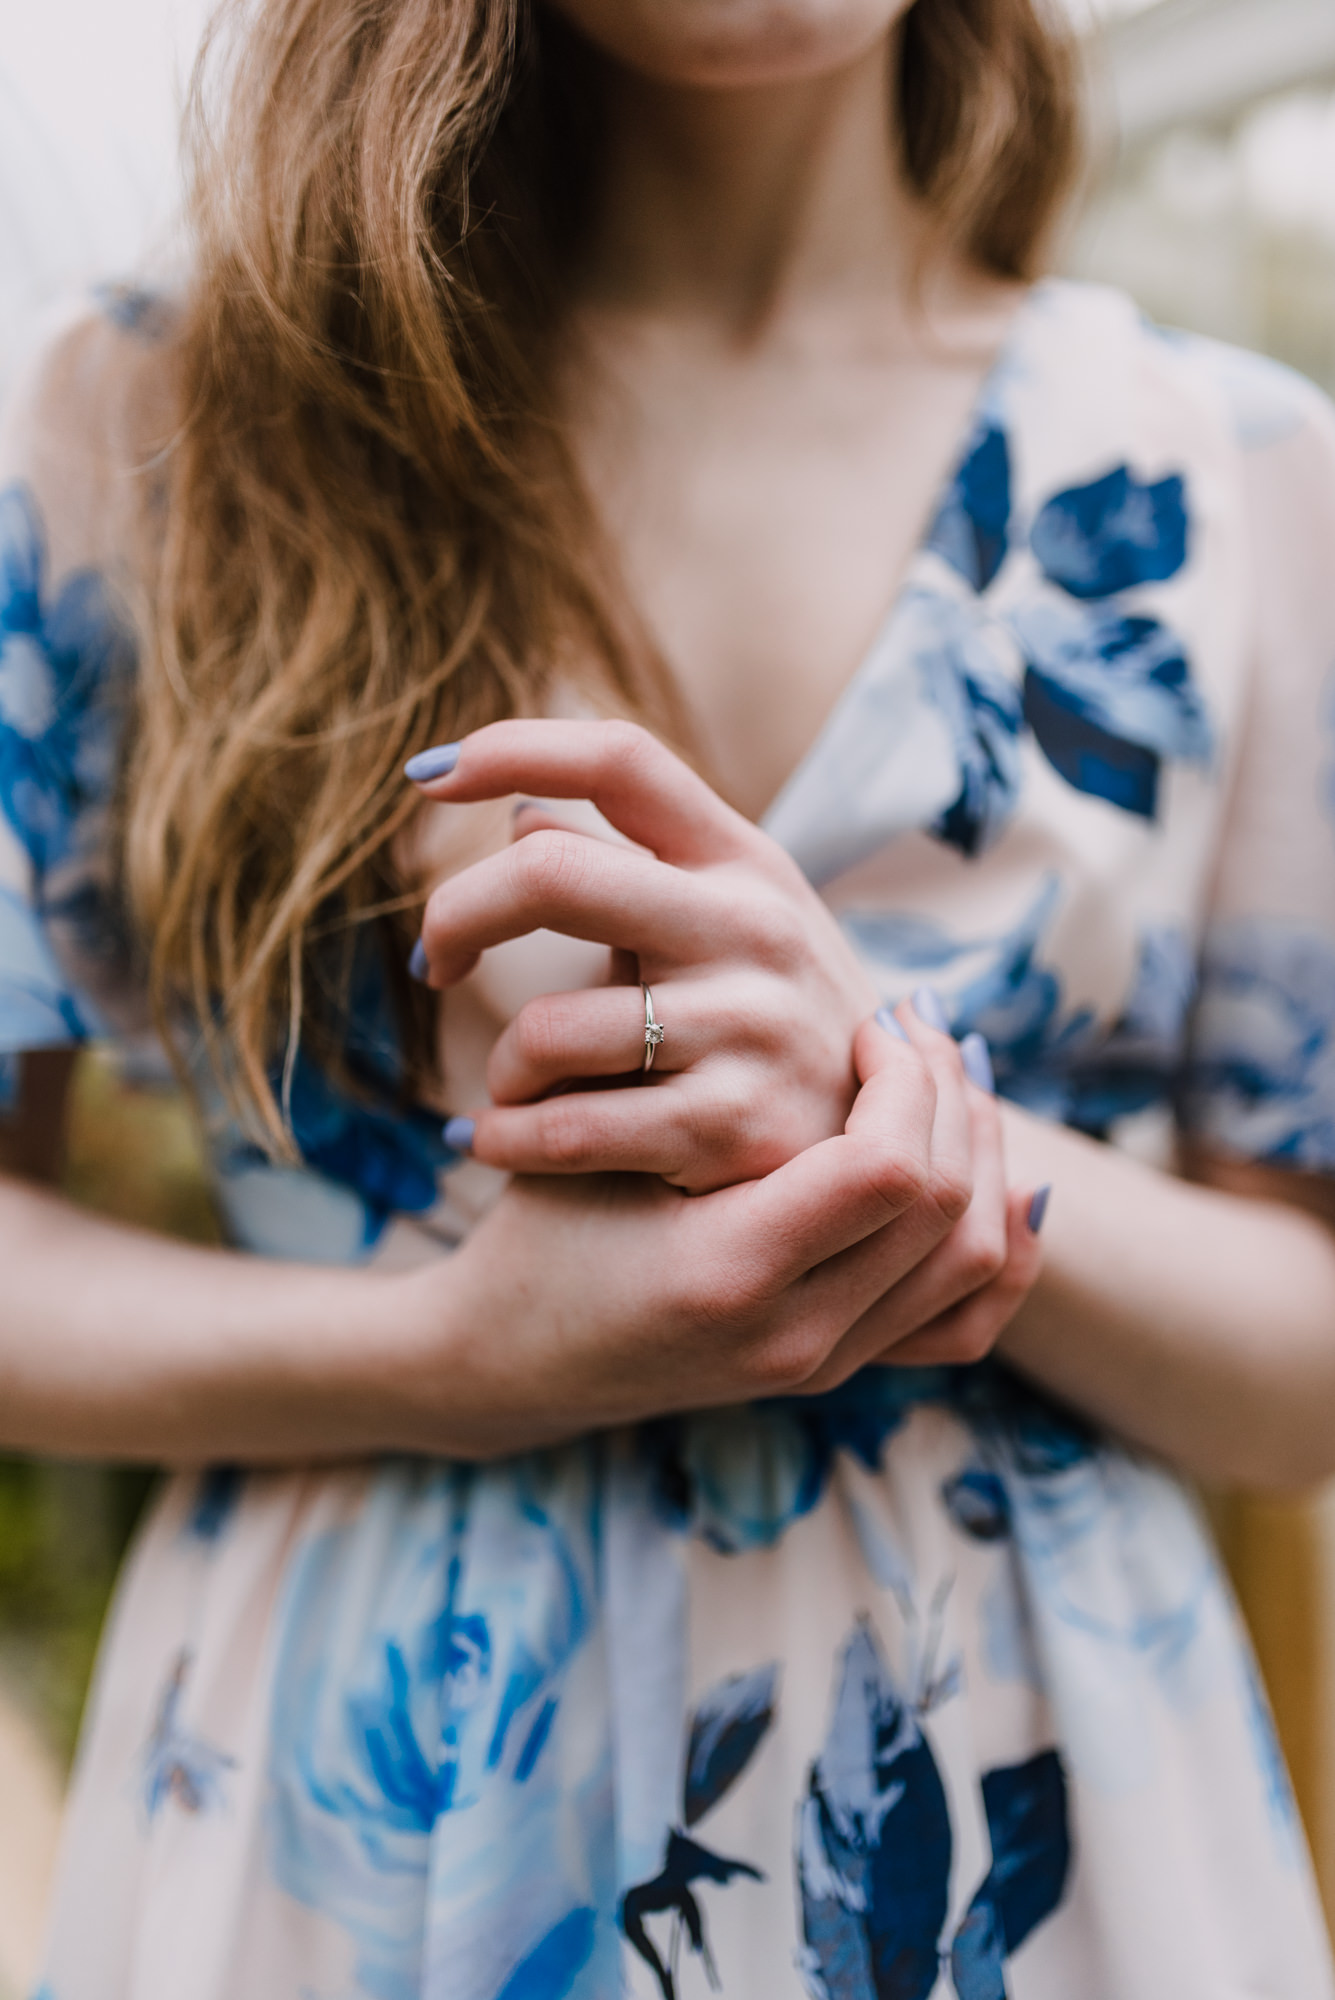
79,446
1148,374
84,429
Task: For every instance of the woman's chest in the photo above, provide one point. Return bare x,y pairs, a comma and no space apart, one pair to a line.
762,516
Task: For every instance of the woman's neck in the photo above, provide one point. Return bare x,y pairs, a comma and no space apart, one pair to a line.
750,207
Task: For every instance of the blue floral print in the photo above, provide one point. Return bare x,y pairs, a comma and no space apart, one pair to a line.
874,1842
1110,700
63,665
177,1764
555,1727
1107,693
1027,1823
1113,534
961,676
875,1851
1056,1060
1261,1079
971,527
723,1736
38,1008
419,1709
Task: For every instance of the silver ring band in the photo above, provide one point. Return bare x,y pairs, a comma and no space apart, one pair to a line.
654,1031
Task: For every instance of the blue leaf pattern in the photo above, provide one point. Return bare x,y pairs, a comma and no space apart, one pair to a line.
1026,1809
1261,1077
63,664
1113,534
1109,701
970,529
726,1730
1055,1059
874,1843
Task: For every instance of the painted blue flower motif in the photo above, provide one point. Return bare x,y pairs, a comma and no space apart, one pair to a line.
968,678
1054,1059
1261,1078
726,1730
176,1764
38,1009
1110,700
365,1160
738,1479
390,1155
970,529
550,1970
1028,1826
63,663
420,1677
977,1501
1112,534
874,1843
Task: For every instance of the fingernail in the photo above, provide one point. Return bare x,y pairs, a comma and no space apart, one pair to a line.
927,1006
526,805
458,1134
977,1060
886,1020
1038,1207
417,965
429,764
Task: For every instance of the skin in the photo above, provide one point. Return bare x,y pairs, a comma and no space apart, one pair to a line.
764,410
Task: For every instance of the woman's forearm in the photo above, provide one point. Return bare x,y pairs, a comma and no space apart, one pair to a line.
118,1344
1197,1322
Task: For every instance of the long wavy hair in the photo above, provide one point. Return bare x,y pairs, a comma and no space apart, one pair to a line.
374,536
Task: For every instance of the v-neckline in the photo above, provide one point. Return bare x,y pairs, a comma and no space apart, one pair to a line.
1000,364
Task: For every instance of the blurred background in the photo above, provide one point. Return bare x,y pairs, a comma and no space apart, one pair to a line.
1212,201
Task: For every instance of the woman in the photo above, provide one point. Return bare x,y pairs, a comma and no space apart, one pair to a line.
638,1627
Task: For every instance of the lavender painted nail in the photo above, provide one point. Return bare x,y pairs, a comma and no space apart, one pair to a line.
417,965
434,763
1038,1207
977,1060
927,1006
887,1021
458,1134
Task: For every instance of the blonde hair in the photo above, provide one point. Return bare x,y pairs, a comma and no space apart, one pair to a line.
374,537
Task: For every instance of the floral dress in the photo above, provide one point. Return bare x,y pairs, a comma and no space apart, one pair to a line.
922,1689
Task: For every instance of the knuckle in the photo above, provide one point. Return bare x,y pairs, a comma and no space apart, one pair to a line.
543,1031
778,931
984,1255
725,1117
549,865
900,1178
535,1038
951,1190
628,747
782,1363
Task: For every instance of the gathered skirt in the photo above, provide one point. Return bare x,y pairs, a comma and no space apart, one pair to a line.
915,1691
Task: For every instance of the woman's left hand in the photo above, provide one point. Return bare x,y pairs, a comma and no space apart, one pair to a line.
758,990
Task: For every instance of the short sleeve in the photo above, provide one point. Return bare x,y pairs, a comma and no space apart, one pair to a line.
66,670
1260,1080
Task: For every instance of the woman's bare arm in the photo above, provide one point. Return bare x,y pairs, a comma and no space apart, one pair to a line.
576,1303
1196,1317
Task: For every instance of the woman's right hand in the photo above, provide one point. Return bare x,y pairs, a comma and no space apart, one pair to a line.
578,1304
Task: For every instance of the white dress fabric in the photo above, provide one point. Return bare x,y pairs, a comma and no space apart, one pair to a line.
919,1690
